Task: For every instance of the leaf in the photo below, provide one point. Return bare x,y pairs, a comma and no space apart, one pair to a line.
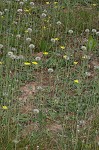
91,43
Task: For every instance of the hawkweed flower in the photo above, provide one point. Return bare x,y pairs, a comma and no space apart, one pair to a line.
47,3
62,47
45,53
66,57
31,46
76,81
86,57
94,30
28,39
75,62
70,31
1,46
27,63
87,30
36,111
54,39
58,23
50,70
38,58
34,62
4,107
94,5
55,3
1,63
84,48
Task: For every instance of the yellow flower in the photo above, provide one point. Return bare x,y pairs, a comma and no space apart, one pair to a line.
45,53
34,62
55,2
65,56
26,31
27,10
62,47
1,63
76,81
75,62
27,63
47,2
5,107
44,27
56,39
94,4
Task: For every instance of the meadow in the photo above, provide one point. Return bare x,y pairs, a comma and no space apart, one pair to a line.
49,75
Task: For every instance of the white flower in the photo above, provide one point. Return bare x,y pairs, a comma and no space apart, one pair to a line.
28,39
36,111
87,30
97,33
1,46
50,70
84,48
70,31
6,10
31,46
10,53
45,11
96,67
19,10
20,57
53,40
58,23
13,57
38,58
13,49
39,88
18,36
1,13
94,30
21,3
15,141
88,74
32,3
43,15
29,30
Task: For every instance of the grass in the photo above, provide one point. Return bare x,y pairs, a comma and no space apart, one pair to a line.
49,75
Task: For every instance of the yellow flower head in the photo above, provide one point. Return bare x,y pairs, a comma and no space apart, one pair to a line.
34,62
75,62
45,53
5,107
76,81
55,2
65,56
1,63
62,47
56,39
27,63
94,5
27,10
47,2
